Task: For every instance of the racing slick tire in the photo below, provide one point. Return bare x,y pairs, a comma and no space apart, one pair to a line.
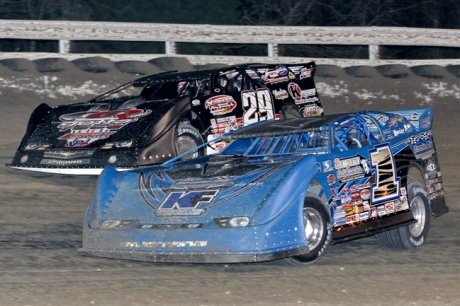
413,235
318,232
187,138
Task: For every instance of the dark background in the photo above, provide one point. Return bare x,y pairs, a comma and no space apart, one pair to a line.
394,13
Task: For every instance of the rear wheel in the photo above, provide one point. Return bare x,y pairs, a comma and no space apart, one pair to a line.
187,138
318,232
412,235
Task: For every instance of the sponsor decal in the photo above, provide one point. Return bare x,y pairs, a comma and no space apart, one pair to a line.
355,195
365,194
97,123
180,198
58,162
340,221
185,202
389,207
223,125
306,73
273,76
358,209
425,123
352,219
196,102
221,104
311,110
393,122
331,179
295,92
163,244
280,94
364,216
327,166
373,212
403,191
348,169
282,70
382,119
431,167
401,204
399,132
381,211
366,206
348,209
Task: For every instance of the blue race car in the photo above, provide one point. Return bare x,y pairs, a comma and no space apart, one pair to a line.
281,189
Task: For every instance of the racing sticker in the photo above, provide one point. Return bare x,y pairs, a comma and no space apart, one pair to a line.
280,94
170,198
302,96
422,145
433,178
221,126
96,123
276,75
350,169
220,105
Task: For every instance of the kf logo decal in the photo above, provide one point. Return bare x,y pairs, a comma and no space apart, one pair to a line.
186,202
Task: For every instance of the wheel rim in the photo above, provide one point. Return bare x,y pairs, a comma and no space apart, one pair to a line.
417,207
314,227
186,143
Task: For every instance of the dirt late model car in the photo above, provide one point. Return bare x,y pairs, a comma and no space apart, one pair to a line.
157,117
281,189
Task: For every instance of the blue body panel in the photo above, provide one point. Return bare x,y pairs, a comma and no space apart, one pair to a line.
246,203
273,204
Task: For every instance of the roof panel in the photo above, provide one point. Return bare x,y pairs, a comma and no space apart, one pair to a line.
284,126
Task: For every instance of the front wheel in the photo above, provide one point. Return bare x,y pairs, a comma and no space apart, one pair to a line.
318,233
187,138
413,235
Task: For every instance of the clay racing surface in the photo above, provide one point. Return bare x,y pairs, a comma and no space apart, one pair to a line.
41,215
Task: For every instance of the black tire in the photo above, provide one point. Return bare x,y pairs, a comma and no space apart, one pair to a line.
289,111
318,231
413,235
187,138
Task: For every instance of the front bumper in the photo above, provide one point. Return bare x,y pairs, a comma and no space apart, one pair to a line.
78,161
270,241
192,257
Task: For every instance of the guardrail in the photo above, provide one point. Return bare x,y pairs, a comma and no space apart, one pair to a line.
272,36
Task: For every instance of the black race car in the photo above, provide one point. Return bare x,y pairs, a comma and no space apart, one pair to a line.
155,118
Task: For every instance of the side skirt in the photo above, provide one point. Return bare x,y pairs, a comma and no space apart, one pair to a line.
372,227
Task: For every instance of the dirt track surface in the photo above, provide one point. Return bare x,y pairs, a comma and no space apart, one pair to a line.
41,219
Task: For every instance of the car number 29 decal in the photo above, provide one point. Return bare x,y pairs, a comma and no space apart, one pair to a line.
386,183
257,105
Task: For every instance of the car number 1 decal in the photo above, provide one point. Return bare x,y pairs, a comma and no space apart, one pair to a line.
258,105
386,183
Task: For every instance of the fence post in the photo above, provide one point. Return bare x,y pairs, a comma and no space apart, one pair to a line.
374,52
272,50
170,47
64,46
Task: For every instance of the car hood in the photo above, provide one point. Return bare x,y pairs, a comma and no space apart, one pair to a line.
156,195
90,125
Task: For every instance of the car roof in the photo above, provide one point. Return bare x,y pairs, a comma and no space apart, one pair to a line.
285,126
176,76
